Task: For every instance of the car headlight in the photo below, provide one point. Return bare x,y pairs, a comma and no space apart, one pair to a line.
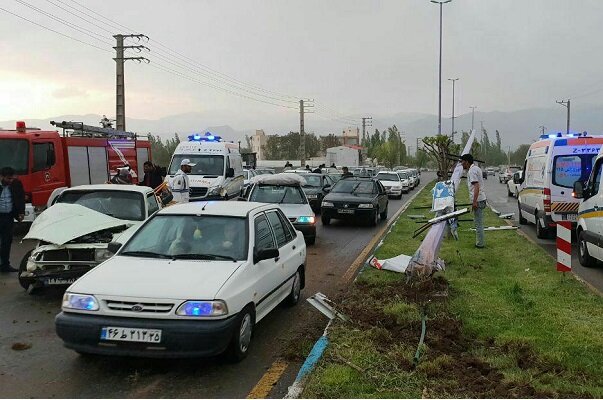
327,204
216,191
101,255
306,220
312,196
365,205
194,308
76,301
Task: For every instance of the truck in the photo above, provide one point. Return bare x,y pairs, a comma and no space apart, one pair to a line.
46,160
344,156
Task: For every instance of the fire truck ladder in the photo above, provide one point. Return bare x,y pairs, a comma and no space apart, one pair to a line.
79,129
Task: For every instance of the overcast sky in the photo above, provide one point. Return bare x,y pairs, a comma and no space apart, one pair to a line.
357,57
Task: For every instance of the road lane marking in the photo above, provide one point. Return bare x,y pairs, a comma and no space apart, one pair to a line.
262,389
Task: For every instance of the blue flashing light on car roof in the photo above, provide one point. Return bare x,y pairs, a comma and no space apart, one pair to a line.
207,138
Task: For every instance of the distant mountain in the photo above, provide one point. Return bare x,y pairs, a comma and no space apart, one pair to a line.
515,127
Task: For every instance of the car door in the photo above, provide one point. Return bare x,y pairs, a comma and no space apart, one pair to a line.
287,250
591,207
267,272
381,196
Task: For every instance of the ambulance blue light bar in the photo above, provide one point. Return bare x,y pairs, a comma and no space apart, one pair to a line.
560,135
208,137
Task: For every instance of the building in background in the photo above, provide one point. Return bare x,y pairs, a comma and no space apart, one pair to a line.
350,137
258,141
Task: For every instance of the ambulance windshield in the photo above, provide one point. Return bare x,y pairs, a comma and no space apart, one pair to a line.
14,154
204,164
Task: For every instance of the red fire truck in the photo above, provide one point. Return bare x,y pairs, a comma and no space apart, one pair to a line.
80,155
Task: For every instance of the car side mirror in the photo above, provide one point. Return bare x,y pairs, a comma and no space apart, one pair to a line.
327,187
265,254
114,247
230,173
579,191
518,180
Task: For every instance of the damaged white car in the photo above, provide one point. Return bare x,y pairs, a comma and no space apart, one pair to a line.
74,233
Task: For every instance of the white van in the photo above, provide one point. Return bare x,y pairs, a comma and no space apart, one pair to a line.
218,170
552,166
590,216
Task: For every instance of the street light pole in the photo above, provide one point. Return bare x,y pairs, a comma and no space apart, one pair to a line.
453,80
440,2
472,115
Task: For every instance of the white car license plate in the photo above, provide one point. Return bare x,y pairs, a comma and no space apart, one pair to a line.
569,217
59,281
131,334
345,211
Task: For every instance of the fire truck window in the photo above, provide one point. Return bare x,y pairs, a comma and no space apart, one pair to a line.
43,156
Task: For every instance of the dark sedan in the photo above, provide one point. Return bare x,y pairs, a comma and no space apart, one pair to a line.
316,188
356,199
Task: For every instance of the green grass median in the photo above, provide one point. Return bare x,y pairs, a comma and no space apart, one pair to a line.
501,322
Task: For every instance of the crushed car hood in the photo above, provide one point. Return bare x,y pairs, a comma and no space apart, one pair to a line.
147,277
62,223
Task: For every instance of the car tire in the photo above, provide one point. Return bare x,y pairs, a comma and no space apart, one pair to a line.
241,335
509,193
374,218
541,232
383,215
325,220
522,220
586,260
311,240
295,294
22,267
400,197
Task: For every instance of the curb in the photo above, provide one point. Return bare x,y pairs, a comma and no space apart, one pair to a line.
296,389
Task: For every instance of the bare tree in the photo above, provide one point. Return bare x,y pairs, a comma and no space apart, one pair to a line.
439,148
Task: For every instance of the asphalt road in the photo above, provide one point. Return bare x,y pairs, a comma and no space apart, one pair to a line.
499,200
49,370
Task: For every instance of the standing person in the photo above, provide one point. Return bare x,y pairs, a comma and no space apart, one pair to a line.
12,206
477,196
152,177
179,184
346,172
308,168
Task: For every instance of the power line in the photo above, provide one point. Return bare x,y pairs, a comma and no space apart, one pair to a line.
54,31
85,19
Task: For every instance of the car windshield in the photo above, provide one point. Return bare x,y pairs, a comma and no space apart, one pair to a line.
388,177
114,203
403,175
277,194
312,180
571,168
336,177
353,186
204,164
513,170
190,237
14,154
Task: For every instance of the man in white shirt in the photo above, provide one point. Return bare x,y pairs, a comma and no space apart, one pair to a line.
477,196
179,184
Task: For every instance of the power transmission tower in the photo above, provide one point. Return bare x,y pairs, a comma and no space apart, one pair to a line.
567,105
120,94
302,133
366,121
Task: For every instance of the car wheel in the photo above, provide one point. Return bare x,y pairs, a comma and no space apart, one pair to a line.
295,294
374,218
522,220
383,215
241,336
325,220
509,193
586,260
311,240
541,232
22,268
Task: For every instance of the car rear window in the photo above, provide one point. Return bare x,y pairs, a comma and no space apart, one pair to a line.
571,168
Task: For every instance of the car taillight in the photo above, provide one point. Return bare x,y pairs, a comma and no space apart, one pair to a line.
547,200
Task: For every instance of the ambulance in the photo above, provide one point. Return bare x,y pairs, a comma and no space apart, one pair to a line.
552,166
217,173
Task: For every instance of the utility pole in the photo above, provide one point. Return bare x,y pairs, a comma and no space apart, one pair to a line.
366,121
472,115
453,81
120,92
418,145
302,133
543,128
567,105
441,3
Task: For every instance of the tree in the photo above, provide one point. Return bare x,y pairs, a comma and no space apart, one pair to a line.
439,148
160,151
519,155
328,141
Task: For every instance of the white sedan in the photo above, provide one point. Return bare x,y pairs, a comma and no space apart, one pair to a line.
192,281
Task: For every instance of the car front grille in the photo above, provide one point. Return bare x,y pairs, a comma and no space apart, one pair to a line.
152,308
68,255
197,192
345,205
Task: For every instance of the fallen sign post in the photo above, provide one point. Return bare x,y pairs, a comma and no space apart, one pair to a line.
438,219
498,228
